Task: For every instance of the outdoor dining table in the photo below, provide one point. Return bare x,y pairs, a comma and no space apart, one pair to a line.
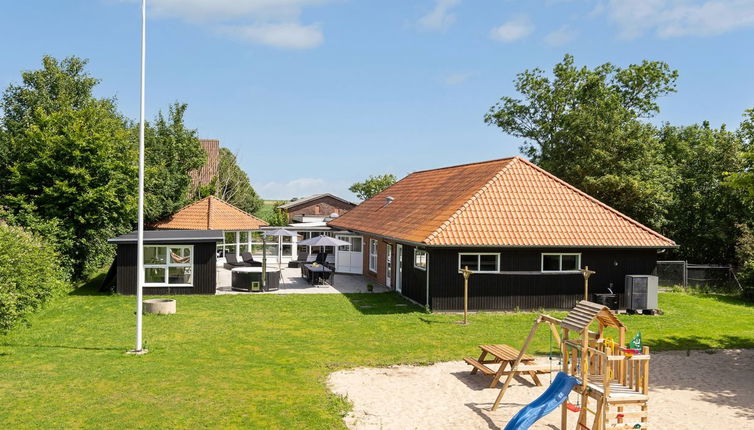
506,356
317,272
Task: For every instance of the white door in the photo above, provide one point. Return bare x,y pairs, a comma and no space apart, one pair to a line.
388,264
399,268
349,258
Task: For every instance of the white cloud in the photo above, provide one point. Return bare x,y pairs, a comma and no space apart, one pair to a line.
274,23
441,17
300,187
561,36
512,30
675,18
456,78
283,35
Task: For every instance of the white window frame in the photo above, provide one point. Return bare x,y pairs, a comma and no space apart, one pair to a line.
373,256
252,241
168,264
479,261
560,261
426,258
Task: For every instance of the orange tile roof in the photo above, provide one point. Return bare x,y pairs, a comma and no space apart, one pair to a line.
507,202
210,213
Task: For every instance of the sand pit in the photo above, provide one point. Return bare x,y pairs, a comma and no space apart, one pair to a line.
702,390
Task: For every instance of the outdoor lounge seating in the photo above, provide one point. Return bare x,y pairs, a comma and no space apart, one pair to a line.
248,258
231,261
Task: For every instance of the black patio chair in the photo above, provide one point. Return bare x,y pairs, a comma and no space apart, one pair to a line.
321,258
248,258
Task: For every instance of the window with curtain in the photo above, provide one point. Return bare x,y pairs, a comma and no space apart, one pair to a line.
170,265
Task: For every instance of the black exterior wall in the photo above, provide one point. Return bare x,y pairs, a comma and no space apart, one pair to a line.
529,290
204,271
413,280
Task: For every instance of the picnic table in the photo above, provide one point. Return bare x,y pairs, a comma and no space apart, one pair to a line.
505,355
318,272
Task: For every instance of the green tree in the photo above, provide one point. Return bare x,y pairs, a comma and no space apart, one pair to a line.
171,151
278,216
743,179
372,186
705,215
232,184
584,126
68,159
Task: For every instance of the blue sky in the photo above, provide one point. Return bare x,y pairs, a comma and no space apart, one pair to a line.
317,94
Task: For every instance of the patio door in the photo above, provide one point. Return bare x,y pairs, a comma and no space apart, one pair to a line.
388,264
399,268
349,258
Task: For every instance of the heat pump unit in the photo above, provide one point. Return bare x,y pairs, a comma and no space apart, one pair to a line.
641,292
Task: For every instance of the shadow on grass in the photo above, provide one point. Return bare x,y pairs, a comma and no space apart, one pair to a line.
382,303
729,299
91,287
674,343
82,348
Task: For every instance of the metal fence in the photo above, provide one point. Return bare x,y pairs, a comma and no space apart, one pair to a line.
699,276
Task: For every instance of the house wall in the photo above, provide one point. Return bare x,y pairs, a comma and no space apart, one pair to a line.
379,275
322,206
531,290
414,282
204,272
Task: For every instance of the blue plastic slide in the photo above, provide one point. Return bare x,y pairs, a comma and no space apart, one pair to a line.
555,394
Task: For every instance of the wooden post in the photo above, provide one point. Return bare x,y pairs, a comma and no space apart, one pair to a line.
564,359
587,273
466,274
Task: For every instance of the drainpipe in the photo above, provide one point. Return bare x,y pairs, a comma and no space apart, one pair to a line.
426,304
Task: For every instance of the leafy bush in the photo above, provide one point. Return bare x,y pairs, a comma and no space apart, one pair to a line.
30,275
746,278
745,261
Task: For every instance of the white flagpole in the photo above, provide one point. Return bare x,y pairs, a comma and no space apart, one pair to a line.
140,226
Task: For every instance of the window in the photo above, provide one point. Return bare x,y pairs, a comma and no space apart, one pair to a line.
479,262
563,262
238,242
420,259
373,255
170,265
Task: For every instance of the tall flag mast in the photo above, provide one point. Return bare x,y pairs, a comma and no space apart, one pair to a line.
140,227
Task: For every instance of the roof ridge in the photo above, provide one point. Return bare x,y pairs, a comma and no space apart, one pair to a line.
209,212
594,200
237,208
471,199
313,197
466,164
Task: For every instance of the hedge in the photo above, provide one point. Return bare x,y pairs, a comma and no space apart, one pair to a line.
30,275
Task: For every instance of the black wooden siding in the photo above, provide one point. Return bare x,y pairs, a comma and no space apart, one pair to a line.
205,273
531,291
414,281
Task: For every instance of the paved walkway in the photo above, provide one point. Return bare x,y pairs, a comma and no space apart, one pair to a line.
291,282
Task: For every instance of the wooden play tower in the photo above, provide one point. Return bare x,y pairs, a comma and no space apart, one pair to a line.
613,380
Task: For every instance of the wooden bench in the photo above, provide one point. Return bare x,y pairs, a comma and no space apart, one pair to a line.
505,356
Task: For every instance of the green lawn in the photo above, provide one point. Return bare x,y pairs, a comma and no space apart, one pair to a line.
262,361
